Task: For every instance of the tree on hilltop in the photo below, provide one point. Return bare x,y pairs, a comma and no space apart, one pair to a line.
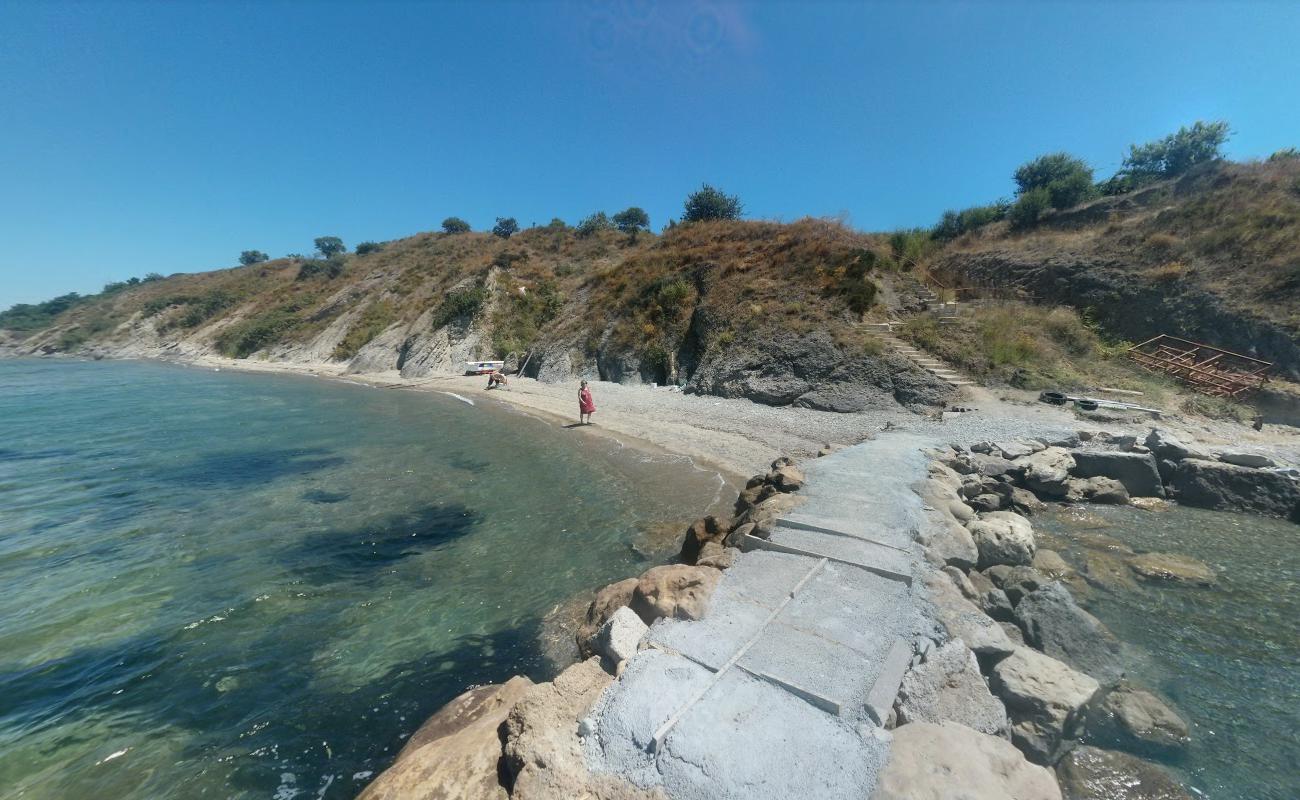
455,225
710,203
1067,179
250,257
366,248
505,227
632,221
593,224
330,246
1178,152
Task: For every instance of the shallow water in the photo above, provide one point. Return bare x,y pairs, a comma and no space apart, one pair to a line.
1227,656
228,585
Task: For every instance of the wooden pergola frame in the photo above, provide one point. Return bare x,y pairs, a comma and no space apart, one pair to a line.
1205,368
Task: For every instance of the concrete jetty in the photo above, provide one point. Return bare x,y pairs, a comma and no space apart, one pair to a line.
783,688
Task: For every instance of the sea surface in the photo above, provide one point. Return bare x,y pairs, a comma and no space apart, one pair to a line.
1227,656
227,585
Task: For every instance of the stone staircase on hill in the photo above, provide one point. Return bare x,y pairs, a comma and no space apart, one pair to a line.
884,332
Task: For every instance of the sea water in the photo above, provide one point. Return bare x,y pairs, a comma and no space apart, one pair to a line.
1226,656
218,584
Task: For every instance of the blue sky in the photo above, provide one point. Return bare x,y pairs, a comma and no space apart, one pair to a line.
142,137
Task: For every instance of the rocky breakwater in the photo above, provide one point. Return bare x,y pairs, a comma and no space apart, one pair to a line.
1015,645
524,740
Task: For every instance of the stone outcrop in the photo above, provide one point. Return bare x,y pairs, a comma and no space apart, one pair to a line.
674,590
1210,484
607,601
950,543
948,686
618,639
1044,698
1088,773
942,761
1055,624
1047,472
716,556
455,754
1166,447
1137,471
1003,537
1135,719
1172,567
962,620
542,753
702,532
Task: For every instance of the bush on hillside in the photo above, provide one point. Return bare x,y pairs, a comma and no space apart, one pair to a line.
910,246
321,268
246,337
505,227
519,317
593,224
632,221
455,225
1176,153
250,257
198,308
956,223
1068,180
366,248
1285,154
330,246
460,304
1029,208
373,320
710,203
31,317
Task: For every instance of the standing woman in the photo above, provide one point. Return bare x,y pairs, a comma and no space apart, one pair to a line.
586,406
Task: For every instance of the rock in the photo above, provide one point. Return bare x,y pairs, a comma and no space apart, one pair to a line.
618,639
1089,773
1166,447
828,449
962,620
456,752
1172,567
1020,581
1003,537
1055,624
1150,503
991,600
1227,487
675,591
607,600
994,466
1023,501
984,503
716,556
738,534
542,753
1044,698
1106,491
1137,471
948,686
943,761
997,573
1047,472
767,511
1050,563
1252,460
701,532
962,582
960,511
1019,448
781,461
1135,719
786,478
1014,633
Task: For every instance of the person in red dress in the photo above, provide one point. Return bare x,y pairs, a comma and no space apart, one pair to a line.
586,406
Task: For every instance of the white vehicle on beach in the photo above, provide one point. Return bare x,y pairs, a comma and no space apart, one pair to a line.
482,367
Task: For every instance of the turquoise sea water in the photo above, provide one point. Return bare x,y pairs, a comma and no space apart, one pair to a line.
228,585
1226,656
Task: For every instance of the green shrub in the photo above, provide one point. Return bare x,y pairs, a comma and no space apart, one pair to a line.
373,321
593,224
710,203
455,225
1285,154
32,317
246,337
909,247
459,304
198,308
1176,153
632,221
506,259
519,317
330,246
250,257
1029,208
366,248
1068,180
955,223
505,227
317,268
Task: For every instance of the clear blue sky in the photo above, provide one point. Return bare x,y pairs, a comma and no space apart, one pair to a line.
140,137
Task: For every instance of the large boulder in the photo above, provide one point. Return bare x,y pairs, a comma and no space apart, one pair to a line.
1135,719
1055,624
701,532
1044,700
786,478
1253,460
948,686
1227,487
676,591
942,761
1020,581
1047,472
606,602
618,639
1172,567
1166,447
1137,471
716,556
766,512
455,754
542,755
949,543
962,620
1089,773
1003,537
991,599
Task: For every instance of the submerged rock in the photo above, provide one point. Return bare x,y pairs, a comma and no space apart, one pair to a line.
1135,719
455,754
1172,567
1051,564
1044,698
1226,487
1055,624
1089,773
929,761
948,686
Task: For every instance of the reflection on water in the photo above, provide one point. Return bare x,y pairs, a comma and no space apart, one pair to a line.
230,585
1227,656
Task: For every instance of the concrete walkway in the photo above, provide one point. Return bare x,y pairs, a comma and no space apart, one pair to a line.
781,690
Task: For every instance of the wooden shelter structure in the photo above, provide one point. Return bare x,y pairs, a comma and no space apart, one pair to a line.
1207,369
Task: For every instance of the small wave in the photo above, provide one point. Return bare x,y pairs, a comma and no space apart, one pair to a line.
461,398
